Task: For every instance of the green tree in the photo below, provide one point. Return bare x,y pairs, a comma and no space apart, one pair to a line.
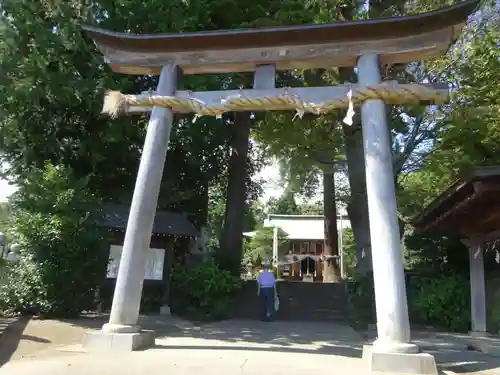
311,208
468,138
4,216
260,247
468,135
436,254
55,219
284,204
53,88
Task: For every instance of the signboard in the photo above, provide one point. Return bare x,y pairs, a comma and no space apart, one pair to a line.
154,263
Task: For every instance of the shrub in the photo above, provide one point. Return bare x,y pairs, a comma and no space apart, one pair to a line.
442,302
362,299
438,301
63,252
203,292
494,309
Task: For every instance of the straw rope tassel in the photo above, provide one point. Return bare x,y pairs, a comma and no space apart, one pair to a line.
115,104
348,119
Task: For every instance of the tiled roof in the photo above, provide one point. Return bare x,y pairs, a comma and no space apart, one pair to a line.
116,216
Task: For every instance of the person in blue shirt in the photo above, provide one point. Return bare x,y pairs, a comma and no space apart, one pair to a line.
266,291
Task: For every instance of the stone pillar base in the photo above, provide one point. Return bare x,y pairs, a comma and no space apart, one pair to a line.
479,334
399,363
100,341
165,310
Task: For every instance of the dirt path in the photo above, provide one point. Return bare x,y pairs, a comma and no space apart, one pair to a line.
39,339
31,337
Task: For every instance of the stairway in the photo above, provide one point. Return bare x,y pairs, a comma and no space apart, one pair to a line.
299,301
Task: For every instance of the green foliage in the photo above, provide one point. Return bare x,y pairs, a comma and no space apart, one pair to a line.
468,127
361,295
203,292
349,252
63,251
494,305
283,205
436,254
4,217
311,208
53,89
4,274
442,302
260,246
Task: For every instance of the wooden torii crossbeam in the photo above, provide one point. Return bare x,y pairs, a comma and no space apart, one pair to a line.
395,40
365,44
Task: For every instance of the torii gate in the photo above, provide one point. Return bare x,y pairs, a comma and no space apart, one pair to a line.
365,44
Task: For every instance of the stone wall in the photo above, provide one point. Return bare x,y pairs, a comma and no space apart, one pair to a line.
299,301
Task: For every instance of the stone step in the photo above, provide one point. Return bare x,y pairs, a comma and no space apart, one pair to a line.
298,302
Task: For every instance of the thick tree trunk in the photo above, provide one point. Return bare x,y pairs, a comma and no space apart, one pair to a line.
331,266
231,242
357,208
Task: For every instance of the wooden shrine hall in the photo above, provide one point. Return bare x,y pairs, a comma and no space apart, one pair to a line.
471,209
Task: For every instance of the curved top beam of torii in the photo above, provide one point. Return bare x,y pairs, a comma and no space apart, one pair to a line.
395,39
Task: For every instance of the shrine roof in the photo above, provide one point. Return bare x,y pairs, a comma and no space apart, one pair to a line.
395,39
165,222
303,227
469,207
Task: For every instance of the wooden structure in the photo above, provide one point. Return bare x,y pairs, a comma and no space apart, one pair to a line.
395,40
302,257
471,209
171,231
366,45
166,225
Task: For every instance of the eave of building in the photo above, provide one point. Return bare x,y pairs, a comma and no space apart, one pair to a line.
469,207
395,39
302,227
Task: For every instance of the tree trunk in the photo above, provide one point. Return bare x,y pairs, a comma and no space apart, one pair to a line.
357,207
331,268
231,242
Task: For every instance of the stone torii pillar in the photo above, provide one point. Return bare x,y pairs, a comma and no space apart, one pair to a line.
393,348
477,287
122,332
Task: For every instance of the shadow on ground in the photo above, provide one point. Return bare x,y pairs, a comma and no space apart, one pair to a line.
12,335
452,352
464,361
289,337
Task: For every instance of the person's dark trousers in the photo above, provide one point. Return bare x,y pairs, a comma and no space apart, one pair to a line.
267,300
